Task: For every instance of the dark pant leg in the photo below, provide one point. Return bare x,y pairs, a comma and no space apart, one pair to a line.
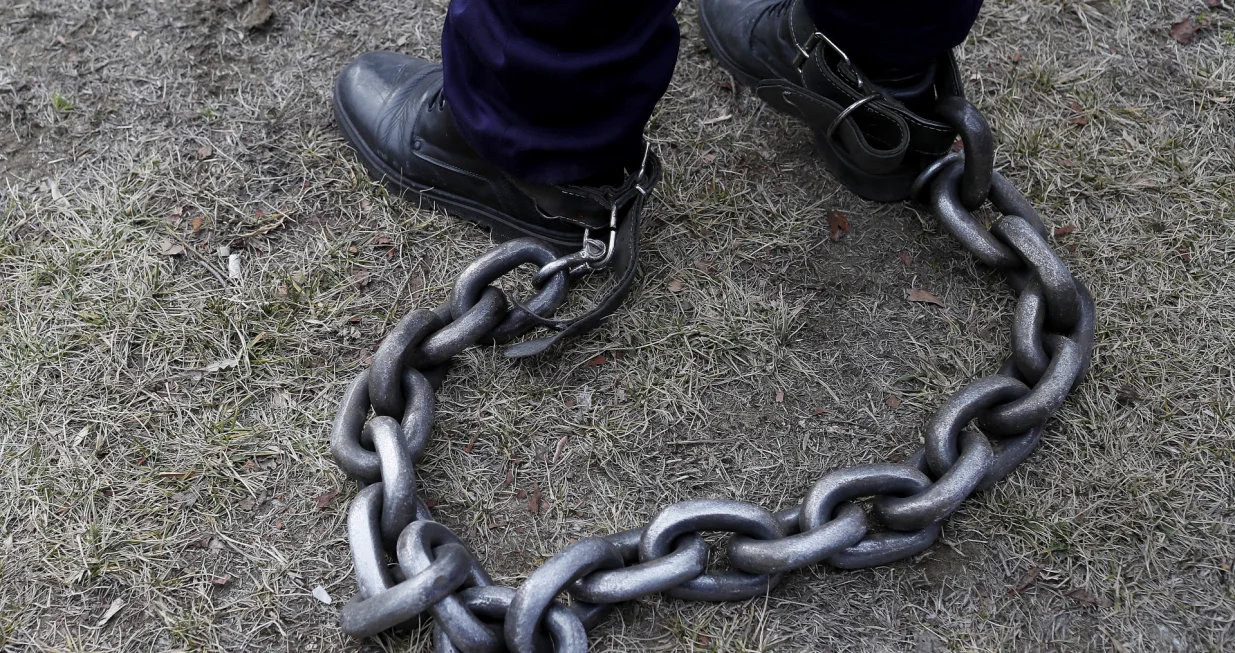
894,33
557,91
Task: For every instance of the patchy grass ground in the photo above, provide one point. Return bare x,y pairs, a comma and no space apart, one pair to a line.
163,444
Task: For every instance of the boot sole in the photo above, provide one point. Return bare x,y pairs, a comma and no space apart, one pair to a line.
878,188
502,226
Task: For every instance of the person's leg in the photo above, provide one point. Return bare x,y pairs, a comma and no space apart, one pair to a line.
557,91
901,34
534,94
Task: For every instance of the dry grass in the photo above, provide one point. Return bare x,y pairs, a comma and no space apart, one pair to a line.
164,430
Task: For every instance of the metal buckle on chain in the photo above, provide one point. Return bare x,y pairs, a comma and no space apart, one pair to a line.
594,254
600,259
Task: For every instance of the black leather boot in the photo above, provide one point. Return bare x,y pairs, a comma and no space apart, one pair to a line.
875,132
391,109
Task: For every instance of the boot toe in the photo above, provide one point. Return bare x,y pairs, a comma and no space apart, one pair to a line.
366,88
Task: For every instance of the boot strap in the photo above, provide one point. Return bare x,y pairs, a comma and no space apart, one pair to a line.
623,263
878,134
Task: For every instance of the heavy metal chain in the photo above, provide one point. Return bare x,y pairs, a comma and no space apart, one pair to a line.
407,565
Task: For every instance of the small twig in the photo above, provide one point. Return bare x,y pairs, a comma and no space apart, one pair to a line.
205,263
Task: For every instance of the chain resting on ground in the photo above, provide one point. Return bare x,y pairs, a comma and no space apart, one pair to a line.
407,565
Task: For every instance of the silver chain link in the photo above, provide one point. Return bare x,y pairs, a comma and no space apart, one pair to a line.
407,565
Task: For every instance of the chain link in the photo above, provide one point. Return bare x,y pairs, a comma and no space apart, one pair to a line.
407,565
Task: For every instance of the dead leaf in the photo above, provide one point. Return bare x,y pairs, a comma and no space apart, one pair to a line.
221,580
892,401
111,611
837,222
533,504
915,295
170,248
561,445
322,500
597,360
197,223
1088,598
322,595
1064,230
1127,395
521,495
1185,30
905,257
709,158
187,498
1027,581
780,396
1078,115
1016,58
675,285
205,152
471,444
704,266
510,478
259,12
247,504
381,241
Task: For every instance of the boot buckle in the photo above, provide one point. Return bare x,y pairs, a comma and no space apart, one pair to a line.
804,52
